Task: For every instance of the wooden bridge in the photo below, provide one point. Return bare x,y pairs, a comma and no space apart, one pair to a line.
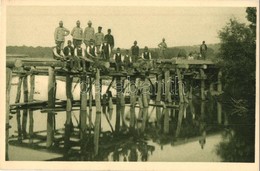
145,82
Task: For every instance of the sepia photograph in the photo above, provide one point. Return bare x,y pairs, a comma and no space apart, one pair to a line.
132,84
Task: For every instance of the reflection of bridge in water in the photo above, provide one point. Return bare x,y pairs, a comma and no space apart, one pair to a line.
166,85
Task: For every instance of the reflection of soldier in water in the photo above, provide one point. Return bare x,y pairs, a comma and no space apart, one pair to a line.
202,139
116,154
133,154
202,126
144,150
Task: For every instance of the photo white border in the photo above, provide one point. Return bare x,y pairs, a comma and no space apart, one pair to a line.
180,166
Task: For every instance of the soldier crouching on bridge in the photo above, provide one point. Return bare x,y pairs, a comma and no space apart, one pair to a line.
127,60
74,63
91,52
147,57
118,60
79,53
58,54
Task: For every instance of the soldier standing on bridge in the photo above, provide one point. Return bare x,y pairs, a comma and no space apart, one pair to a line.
110,39
77,34
60,33
163,47
203,50
89,33
135,52
99,38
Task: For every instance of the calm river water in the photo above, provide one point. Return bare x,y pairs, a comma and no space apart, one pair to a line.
192,132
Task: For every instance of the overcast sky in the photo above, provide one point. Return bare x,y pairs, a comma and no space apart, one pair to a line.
34,26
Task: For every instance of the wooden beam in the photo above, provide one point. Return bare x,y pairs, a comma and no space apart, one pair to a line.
158,99
31,120
83,105
25,111
180,86
51,104
68,123
202,87
8,89
98,112
18,112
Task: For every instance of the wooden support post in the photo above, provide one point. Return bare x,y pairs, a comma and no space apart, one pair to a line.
122,103
166,125
180,117
180,86
51,104
145,92
90,95
68,123
145,115
132,118
25,111
83,105
211,88
8,89
202,87
110,102
132,92
31,121
122,97
190,92
202,110
192,109
18,112
118,106
219,82
219,106
140,101
158,98
167,80
90,101
98,113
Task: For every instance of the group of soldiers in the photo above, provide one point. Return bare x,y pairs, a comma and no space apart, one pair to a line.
97,46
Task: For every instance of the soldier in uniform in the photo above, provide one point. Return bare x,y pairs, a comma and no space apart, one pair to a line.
99,38
135,51
118,59
79,53
77,34
127,60
58,53
105,50
60,33
203,50
163,47
89,33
